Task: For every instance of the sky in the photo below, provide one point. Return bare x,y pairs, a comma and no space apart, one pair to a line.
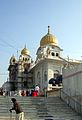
25,22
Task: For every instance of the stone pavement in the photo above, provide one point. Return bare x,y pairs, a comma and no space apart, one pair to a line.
39,108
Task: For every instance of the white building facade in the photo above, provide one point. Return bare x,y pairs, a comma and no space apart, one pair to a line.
48,61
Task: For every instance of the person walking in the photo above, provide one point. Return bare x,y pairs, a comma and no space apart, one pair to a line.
18,109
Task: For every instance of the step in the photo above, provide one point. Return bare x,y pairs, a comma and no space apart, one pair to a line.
39,108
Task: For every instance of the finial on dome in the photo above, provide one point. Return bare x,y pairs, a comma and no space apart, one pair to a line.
25,45
48,29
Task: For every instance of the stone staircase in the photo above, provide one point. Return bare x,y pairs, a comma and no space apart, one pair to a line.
39,108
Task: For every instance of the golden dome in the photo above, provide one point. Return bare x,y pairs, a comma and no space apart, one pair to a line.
49,39
25,51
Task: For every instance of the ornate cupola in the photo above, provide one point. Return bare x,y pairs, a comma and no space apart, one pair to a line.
25,51
25,56
12,60
49,47
48,39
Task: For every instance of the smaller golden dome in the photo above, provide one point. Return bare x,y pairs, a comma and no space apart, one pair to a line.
49,39
25,51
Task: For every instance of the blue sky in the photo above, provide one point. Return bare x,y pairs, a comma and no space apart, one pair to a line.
25,22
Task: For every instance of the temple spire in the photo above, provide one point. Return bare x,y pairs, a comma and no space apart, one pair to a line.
48,29
25,45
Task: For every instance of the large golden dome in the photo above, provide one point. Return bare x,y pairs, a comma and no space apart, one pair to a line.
25,51
49,39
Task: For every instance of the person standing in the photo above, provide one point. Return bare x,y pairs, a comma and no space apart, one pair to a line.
18,109
37,89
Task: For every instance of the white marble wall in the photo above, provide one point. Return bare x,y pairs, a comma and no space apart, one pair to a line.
72,87
72,80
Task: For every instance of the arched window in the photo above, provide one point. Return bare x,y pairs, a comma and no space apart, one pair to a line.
23,58
14,60
57,54
53,54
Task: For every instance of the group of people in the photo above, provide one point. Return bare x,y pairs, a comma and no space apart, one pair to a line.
30,92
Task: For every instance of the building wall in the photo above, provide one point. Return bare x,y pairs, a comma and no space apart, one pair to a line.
53,67
72,87
44,71
72,80
39,72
